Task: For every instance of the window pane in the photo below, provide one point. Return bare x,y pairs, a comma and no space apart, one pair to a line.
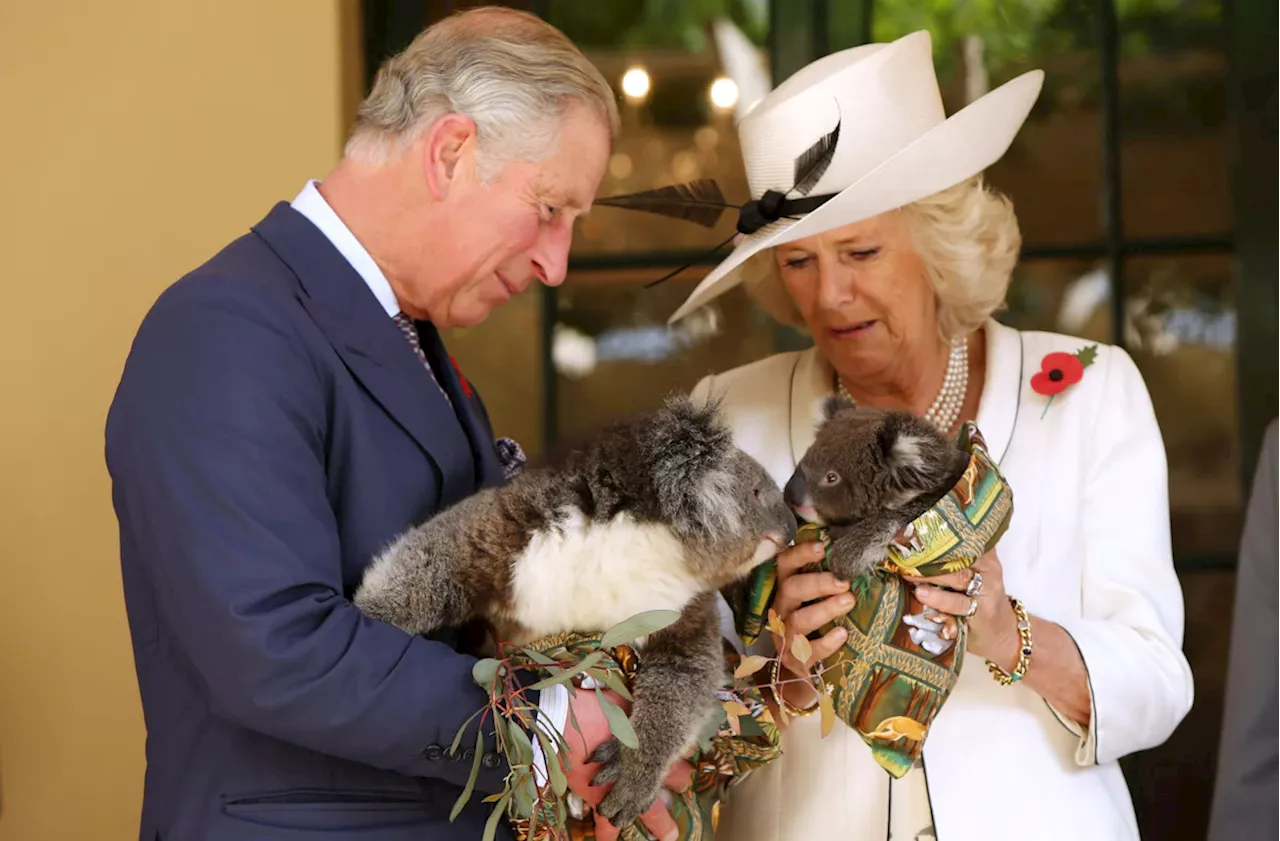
1181,326
673,129
1060,296
1173,119
615,354
502,358
1052,170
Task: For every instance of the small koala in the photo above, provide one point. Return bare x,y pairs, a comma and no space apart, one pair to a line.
656,512
868,473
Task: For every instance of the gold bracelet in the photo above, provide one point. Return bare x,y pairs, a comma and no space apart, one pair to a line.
791,709
1024,652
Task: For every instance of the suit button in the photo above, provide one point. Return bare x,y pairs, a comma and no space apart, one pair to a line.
490,760
434,752
469,755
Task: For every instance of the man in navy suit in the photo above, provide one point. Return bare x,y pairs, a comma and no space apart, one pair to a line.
288,408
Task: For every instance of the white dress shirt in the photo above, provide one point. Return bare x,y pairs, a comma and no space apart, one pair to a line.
312,205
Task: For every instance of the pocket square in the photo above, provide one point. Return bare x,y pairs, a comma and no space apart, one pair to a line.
511,457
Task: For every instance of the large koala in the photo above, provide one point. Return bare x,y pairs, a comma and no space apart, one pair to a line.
656,512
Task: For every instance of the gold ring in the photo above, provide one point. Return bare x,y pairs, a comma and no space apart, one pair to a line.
973,608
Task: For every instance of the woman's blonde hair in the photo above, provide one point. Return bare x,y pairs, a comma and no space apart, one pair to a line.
968,239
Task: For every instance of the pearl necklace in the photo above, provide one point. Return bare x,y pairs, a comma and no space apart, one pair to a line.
955,384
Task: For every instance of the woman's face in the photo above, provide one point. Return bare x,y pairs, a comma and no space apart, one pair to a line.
863,293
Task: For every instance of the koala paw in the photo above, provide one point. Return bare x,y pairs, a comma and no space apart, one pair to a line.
635,787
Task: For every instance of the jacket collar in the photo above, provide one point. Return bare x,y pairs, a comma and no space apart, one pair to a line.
813,378
374,349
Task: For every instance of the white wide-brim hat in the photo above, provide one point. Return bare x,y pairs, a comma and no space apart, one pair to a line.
880,107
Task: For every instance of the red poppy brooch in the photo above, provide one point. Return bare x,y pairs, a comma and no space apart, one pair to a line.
1059,371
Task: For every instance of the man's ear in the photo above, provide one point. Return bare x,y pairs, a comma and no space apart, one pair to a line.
448,152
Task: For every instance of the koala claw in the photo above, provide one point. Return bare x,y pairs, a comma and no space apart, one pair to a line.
632,793
609,756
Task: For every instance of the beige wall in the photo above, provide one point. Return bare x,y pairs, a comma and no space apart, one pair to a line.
136,137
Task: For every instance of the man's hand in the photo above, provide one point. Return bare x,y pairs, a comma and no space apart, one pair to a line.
595,730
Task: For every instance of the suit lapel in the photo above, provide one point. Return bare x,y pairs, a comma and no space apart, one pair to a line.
488,470
1002,388
370,344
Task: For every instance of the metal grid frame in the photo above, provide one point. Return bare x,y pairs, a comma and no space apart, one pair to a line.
802,34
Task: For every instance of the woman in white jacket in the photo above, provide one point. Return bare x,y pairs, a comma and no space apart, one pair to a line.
870,228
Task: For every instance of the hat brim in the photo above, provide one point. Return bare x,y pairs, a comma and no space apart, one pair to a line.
958,148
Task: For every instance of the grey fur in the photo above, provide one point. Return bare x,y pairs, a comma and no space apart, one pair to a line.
868,473
676,468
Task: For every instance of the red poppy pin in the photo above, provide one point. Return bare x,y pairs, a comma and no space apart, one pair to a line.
1060,370
466,386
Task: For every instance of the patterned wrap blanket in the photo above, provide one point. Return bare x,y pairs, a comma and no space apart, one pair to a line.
893,674
733,752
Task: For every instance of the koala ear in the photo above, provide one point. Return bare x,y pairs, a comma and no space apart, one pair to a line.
903,451
684,444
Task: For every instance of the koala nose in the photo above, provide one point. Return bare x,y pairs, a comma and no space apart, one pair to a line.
792,525
796,491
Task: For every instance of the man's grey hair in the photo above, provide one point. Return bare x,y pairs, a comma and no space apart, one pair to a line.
511,72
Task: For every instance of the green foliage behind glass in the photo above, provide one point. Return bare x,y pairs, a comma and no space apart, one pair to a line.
655,24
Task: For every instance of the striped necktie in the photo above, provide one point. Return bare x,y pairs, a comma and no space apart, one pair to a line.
406,325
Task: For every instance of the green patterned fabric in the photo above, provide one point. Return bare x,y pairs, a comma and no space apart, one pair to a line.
885,685
732,754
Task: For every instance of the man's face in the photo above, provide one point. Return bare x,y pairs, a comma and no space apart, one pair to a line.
502,236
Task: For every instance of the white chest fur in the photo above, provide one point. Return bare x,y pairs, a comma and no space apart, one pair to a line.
584,576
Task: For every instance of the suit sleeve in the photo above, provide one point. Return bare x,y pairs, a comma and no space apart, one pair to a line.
216,444
1244,796
1130,629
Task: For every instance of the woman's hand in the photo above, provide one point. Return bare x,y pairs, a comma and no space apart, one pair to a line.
993,628
1057,672
805,602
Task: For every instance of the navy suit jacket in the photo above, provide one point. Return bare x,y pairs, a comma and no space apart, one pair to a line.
272,431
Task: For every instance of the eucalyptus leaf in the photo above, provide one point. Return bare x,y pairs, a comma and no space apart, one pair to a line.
828,708
526,796
553,734
587,662
554,771
491,826
538,657
750,665
642,624
457,739
484,672
619,725
471,780
801,649
614,681
573,720
524,749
